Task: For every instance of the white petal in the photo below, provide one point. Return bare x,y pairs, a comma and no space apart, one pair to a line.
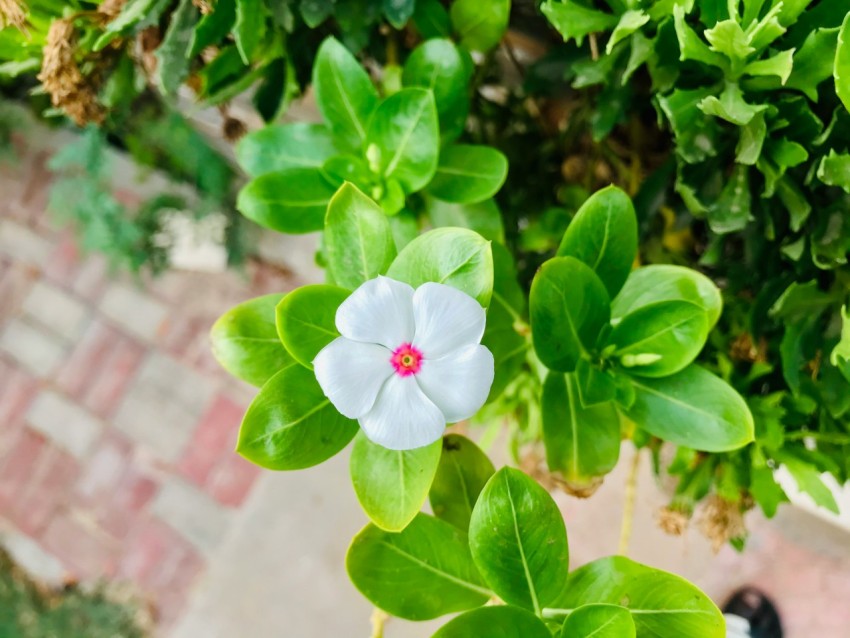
403,418
379,311
459,382
446,319
351,374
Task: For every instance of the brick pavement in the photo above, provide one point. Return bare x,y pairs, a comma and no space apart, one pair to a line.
117,427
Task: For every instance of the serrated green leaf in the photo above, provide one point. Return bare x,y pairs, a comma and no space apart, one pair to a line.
841,351
842,63
173,54
780,65
575,21
751,140
135,15
213,27
731,106
814,62
732,210
629,22
834,170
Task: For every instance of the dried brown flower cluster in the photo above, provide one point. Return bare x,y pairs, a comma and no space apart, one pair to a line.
12,14
721,521
111,8
672,520
204,6
61,77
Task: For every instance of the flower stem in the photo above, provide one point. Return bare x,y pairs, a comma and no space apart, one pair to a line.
629,505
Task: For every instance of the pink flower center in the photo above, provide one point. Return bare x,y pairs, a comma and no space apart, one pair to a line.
406,359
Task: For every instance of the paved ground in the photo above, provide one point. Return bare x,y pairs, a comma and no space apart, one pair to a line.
116,437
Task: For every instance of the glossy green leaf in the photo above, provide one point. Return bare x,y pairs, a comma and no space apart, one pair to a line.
569,306
603,235
173,54
431,19
437,65
519,542
656,283
461,475
288,201
290,425
250,28
424,572
305,320
359,243
406,137
281,146
345,95
693,408
501,621
467,174
214,26
574,21
315,12
660,339
661,604
480,25
841,71
453,256
398,12
582,443
484,218
245,341
392,485
595,385
599,621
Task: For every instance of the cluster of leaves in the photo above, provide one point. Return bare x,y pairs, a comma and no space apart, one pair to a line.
755,96
492,533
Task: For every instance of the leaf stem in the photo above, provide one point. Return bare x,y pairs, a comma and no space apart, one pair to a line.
629,505
550,612
379,618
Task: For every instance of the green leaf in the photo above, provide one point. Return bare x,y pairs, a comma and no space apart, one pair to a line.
453,256
280,146
392,485
502,621
779,65
732,210
405,132
250,27
518,540
630,21
135,15
305,320
315,12
438,65
484,218
834,169
461,475
841,351
692,408
731,106
480,25
358,240
599,621
569,306
582,443
245,341
660,339
424,572
841,71
809,481
695,132
751,141
595,386
467,174
814,62
574,21
398,12
345,95
213,27
603,235
290,425
656,283
691,46
661,604
172,55
431,19
289,201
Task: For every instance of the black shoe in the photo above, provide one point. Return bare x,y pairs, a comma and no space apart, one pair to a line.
752,605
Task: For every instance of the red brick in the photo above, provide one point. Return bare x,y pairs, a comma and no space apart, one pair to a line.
131,496
15,283
85,553
17,467
155,555
87,360
53,475
213,440
63,263
16,393
108,387
233,480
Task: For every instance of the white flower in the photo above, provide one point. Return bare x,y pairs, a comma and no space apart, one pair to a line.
408,362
